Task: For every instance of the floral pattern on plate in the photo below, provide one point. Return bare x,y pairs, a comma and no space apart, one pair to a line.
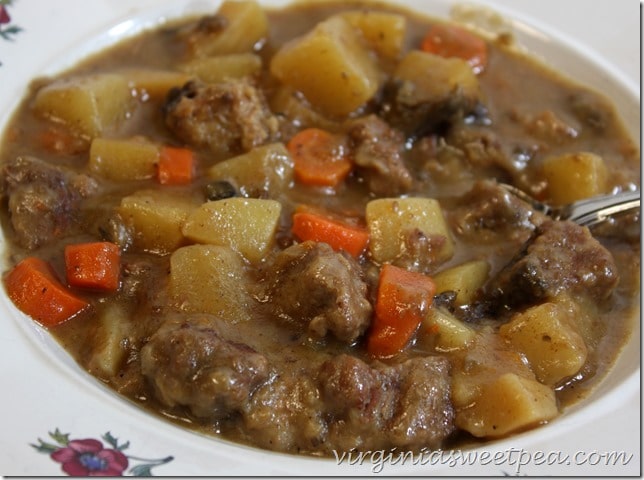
7,30
89,457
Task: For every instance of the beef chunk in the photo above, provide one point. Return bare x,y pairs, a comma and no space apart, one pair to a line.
423,414
560,256
378,155
374,407
481,148
488,210
207,26
141,279
546,126
310,283
592,112
225,117
349,384
190,363
419,113
44,200
286,415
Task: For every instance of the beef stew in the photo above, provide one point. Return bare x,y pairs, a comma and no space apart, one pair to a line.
314,254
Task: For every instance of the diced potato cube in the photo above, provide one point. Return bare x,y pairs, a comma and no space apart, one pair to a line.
444,331
390,220
265,171
89,105
223,67
330,66
574,176
123,159
384,32
464,279
584,312
245,26
549,338
247,225
429,78
486,357
155,83
287,101
112,333
508,404
156,218
209,279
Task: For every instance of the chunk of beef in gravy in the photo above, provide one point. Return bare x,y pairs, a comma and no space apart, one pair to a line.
561,256
44,200
190,363
380,406
378,156
314,285
488,210
286,414
418,116
229,117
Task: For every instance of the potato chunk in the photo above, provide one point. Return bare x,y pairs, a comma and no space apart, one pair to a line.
265,171
238,26
549,338
383,32
508,404
111,337
154,83
156,218
89,105
444,332
574,176
429,78
330,66
210,279
464,279
391,220
247,225
223,67
123,159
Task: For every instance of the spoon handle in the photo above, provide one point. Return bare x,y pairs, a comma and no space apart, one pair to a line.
598,209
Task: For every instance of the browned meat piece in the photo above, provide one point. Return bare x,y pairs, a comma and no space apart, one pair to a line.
421,251
227,117
314,285
423,415
379,407
206,27
488,210
560,256
418,116
592,111
190,363
286,415
142,280
44,200
378,155
349,384
114,229
546,126
481,149
465,153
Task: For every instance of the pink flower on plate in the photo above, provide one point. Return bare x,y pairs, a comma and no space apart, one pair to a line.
88,458
4,15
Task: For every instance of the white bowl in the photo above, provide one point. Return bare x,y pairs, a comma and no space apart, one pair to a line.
43,390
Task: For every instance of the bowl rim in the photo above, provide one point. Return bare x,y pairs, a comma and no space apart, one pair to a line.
128,24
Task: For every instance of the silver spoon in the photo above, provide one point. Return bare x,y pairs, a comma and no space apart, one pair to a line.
585,212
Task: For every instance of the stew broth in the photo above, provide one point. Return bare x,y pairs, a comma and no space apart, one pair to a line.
272,341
